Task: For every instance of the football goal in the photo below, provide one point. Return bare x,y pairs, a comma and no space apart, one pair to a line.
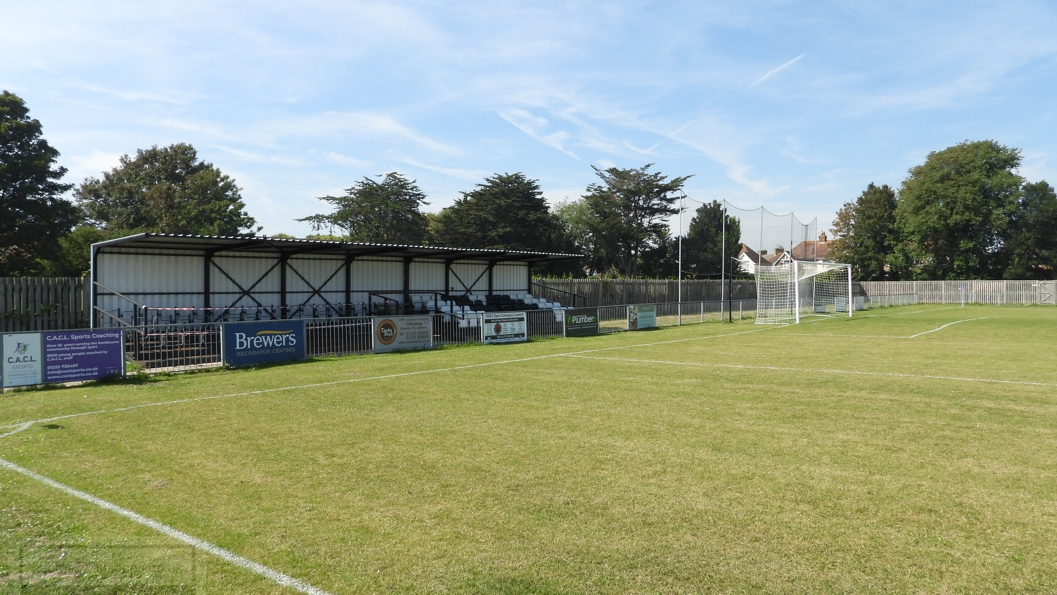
790,291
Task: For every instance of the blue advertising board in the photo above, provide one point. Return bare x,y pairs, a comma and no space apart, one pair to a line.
248,343
70,356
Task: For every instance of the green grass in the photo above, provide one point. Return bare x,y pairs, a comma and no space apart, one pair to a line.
834,456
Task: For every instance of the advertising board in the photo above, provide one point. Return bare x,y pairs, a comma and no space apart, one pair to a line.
581,322
504,327
642,316
22,359
402,333
71,356
248,343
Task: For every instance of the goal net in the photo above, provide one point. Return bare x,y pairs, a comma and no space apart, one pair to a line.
790,291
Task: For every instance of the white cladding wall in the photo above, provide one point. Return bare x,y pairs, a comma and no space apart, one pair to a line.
427,275
158,280
245,270
324,273
471,277
174,279
510,278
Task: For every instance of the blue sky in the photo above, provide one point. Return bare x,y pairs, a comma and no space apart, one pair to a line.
792,105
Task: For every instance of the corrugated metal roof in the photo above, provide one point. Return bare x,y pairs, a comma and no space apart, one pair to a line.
291,246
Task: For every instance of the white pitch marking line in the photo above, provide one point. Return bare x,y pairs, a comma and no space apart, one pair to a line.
945,326
824,371
237,560
26,425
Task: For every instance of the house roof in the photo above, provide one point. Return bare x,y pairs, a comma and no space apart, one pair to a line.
289,246
812,249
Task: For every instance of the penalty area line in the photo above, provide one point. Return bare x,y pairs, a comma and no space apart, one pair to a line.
816,371
945,326
226,555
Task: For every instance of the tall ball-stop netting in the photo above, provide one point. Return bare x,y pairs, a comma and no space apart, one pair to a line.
785,256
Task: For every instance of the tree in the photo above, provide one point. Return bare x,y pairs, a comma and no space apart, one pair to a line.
955,210
865,234
166,190
573,218
73,257
703,249
385,212
628,210
506,212
33,212
1032,246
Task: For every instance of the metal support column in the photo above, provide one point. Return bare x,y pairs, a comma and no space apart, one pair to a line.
407,280
207,293
348,283
282,286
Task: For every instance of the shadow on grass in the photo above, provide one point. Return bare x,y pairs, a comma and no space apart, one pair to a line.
513,585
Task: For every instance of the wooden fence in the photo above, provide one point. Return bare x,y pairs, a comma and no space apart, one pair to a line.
963,292
43,303
613,292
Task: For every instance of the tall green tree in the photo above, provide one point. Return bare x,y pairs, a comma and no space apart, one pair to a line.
166,190
507,211
32,209
383,212
572,217
628,212
955,210
866,236
1031,251
703,248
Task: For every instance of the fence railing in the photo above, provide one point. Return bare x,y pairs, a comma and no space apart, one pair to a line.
43,303
959,292
189,346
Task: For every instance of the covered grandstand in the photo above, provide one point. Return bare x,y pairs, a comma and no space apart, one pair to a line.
154,278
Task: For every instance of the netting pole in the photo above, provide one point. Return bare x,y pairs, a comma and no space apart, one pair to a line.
851,299
796,292
759,247
723,259
680,282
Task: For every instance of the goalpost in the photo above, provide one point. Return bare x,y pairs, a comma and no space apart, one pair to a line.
788,292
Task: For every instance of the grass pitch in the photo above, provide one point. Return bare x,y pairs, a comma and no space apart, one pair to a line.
891,452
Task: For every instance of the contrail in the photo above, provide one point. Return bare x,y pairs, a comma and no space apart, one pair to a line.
776,71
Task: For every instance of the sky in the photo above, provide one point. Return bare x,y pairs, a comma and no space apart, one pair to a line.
795,106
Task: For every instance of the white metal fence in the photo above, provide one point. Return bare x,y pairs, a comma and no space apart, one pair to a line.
189,346
958,292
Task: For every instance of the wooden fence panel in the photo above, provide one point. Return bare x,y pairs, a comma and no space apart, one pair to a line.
613,292
43,303
997,292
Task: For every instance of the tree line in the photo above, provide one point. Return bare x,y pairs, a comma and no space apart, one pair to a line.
966,213
619,224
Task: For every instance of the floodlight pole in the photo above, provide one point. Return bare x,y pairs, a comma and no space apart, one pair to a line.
680,275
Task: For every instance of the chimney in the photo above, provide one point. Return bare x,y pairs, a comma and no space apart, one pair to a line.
822,238
779,249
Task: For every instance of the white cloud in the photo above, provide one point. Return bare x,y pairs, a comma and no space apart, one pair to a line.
93,164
